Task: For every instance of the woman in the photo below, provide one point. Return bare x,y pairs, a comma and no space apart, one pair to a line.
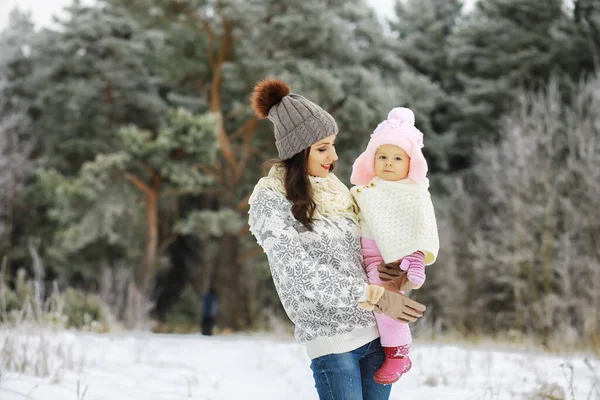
306,222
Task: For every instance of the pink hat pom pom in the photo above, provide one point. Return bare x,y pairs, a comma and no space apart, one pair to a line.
403,115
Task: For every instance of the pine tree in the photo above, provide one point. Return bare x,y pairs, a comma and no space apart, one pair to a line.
90,80
581,37
587,14
502,45
16,143
122,200
423,29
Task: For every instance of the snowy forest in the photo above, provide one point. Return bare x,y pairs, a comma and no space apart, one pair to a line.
128,150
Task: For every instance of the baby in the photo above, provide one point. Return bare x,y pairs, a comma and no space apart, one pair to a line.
397,222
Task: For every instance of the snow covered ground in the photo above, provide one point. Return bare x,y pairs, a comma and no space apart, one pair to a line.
155,367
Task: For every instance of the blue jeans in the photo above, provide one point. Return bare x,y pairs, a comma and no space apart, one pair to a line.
349,376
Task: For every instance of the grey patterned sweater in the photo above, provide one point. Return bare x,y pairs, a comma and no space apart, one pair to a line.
319,275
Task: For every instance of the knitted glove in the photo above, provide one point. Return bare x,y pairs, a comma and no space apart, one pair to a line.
385,298
414,265
397,305
411,266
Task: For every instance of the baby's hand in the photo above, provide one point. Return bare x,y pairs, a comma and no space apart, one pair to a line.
414,265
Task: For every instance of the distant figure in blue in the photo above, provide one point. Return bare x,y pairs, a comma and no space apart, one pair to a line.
209,311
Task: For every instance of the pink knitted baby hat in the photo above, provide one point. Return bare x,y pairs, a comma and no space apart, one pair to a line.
398,129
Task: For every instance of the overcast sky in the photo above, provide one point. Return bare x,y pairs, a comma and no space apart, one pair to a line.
43,10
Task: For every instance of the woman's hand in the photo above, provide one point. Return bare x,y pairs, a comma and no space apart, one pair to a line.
399,307
385,298
388,272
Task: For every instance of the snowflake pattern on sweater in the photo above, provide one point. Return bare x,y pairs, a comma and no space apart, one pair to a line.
319,275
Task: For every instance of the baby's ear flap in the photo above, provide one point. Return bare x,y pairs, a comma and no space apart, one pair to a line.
417,167
363,169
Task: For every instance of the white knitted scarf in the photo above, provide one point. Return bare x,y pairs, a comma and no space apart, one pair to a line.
332,198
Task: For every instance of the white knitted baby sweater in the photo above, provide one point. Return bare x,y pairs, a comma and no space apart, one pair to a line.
399,216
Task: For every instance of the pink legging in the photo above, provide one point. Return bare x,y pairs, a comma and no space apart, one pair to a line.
392,332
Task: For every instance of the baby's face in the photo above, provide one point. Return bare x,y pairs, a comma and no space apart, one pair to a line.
391,163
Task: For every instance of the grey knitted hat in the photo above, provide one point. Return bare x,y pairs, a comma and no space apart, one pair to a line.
298,122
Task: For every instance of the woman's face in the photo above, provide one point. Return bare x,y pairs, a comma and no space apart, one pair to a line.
322,154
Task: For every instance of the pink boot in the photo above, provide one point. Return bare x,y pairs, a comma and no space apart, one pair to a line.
396,364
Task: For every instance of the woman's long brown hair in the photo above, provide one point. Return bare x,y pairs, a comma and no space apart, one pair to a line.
297,186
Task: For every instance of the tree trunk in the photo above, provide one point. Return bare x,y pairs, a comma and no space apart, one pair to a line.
146,270
11,195
517,265
229,284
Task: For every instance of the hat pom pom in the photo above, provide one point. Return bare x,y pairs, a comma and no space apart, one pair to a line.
403,115
267,93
